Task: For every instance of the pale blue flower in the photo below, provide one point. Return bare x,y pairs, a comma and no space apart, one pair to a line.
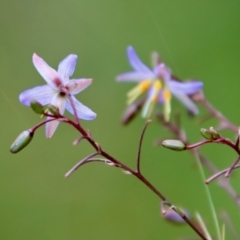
56,90
159,85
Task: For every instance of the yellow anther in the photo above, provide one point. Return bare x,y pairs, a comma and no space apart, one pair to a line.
144,85
157,85
167,95
138,90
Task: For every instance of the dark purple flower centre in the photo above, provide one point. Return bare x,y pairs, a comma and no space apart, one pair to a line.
62,94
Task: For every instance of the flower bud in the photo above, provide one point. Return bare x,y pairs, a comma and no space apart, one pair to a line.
132,111
175,145
206,133
170,215
37,107
21,141
173,217
52,109
215,134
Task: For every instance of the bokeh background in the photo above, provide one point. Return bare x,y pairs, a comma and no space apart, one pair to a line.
197,39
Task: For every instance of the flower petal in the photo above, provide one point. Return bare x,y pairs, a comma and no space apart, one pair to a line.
163,72
83,112
136,63
42,94
185,87
60,103
75,86
49,74
187,102
134,76
67,66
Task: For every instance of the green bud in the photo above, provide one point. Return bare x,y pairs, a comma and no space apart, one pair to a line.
206,134
21,141
52,109
215,134
175,145
37,107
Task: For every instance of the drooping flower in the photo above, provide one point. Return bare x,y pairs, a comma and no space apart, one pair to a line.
159,85
57,89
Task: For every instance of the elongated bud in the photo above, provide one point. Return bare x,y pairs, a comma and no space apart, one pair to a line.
173,217
169,214
215,134
132,111
175,145
52,109
206,134
37,107
21,141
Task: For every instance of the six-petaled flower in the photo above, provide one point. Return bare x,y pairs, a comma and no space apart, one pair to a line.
57,90
159,85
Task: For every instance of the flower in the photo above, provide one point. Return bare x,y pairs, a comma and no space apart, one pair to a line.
57,89
159,85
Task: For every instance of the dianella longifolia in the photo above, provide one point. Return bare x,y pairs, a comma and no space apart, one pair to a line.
151,98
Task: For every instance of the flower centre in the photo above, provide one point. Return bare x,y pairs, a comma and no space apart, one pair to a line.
63,91
62,94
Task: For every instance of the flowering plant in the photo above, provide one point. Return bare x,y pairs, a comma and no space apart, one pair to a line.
158,85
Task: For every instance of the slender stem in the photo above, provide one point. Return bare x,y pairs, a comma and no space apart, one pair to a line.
78,140
224,122
237,141
140,144
232,167
222,182
230,144
100,151
75,167
34,128
138,175
188,147
218,174
209,197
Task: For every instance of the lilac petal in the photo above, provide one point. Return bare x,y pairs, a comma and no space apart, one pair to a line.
60,103
136,63
42,94
133,76
49,74
187,102
67,66
83,112
75,86
161,71
185,87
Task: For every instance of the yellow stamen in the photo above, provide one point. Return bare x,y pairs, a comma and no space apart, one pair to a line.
167,104
157,85
167,95
144,85
152,100
138,90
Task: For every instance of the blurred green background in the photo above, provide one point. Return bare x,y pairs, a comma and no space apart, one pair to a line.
197,39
